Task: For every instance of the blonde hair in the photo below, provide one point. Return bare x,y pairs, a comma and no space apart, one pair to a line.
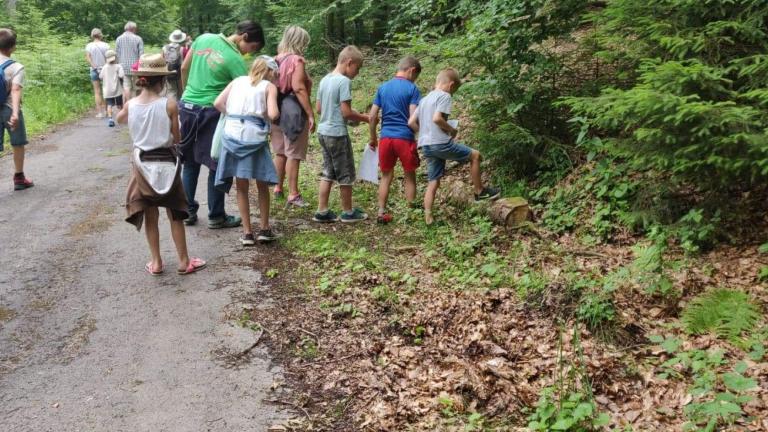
448,75
259,70
295,40
96,34
350,52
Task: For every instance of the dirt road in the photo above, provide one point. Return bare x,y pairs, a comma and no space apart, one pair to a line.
88,340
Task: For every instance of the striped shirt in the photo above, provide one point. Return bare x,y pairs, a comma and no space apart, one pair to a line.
129,48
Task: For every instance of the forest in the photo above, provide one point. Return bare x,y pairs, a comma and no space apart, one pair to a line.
634,299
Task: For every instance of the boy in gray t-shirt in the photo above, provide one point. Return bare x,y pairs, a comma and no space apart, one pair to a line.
334,105
436,141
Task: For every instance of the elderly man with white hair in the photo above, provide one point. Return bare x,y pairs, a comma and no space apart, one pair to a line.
129,47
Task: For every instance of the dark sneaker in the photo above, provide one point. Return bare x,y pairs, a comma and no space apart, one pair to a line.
227,221
20,182
384,219
356,215
111,123
296,201
279,195
266,236
247,240
326,217
191,220
488,193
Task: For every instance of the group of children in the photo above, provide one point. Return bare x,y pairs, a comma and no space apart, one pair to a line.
249,105
403,114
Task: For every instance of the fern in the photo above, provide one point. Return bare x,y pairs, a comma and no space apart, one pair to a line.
726,312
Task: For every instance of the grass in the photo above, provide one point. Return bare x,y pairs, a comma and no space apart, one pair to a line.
57,88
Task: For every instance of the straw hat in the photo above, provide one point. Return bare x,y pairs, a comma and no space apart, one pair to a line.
152,65
177,36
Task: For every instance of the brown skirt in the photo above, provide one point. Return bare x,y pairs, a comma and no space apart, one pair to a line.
141,196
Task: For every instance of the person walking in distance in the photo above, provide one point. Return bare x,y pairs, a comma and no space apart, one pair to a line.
129,47
213,62
96,54
11,117
174,55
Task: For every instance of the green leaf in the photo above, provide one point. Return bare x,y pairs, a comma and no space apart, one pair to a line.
563,424
583,410
737,382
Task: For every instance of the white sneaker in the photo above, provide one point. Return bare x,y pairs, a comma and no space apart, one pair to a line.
100,115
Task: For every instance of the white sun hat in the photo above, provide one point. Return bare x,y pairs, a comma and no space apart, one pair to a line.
177,36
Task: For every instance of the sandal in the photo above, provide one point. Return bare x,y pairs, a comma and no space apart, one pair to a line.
194,265
154,272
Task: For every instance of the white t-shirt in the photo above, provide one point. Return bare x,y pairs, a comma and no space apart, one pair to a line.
247,99
98,52
14,74
429,132
110,76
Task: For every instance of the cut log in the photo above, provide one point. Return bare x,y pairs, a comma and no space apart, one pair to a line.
507,212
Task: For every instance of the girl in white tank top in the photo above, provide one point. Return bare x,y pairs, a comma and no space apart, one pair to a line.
249,104
153,122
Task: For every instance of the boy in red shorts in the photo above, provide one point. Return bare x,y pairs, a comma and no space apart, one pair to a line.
397,99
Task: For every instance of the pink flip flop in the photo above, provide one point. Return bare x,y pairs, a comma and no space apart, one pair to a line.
154,272
195,264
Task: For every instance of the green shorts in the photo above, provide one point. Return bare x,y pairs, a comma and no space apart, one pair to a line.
18,135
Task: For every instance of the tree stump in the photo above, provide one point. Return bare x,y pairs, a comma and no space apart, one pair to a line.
507,212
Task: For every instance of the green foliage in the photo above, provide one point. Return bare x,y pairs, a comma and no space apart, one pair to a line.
717,397
696,104
728,313
568,405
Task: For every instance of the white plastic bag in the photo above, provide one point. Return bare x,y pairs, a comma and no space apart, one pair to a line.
369,166
216,142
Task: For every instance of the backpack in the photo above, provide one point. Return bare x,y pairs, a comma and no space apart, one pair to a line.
3,89
172,55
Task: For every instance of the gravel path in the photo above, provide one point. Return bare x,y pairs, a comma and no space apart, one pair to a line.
88,340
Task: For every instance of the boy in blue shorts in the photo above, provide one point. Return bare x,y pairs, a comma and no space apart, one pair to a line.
11,117
436,141
334,105
397,99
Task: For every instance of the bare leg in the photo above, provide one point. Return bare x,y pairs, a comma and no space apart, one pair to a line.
323,194
410,186
386,182
151,216
243,204
97,96
345,191
280,167
429,199
263,189
126,94
180,239
18,158
474,171
292,170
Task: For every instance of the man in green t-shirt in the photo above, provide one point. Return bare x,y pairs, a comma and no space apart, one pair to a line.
213,61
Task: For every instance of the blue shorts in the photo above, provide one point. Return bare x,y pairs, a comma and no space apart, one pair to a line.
19,135
437,154
95,74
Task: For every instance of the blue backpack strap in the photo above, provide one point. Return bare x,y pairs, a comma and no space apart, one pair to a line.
6,64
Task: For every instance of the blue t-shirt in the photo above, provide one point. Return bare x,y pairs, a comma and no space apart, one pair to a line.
395,97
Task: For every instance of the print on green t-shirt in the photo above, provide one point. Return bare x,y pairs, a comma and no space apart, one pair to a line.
215,63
